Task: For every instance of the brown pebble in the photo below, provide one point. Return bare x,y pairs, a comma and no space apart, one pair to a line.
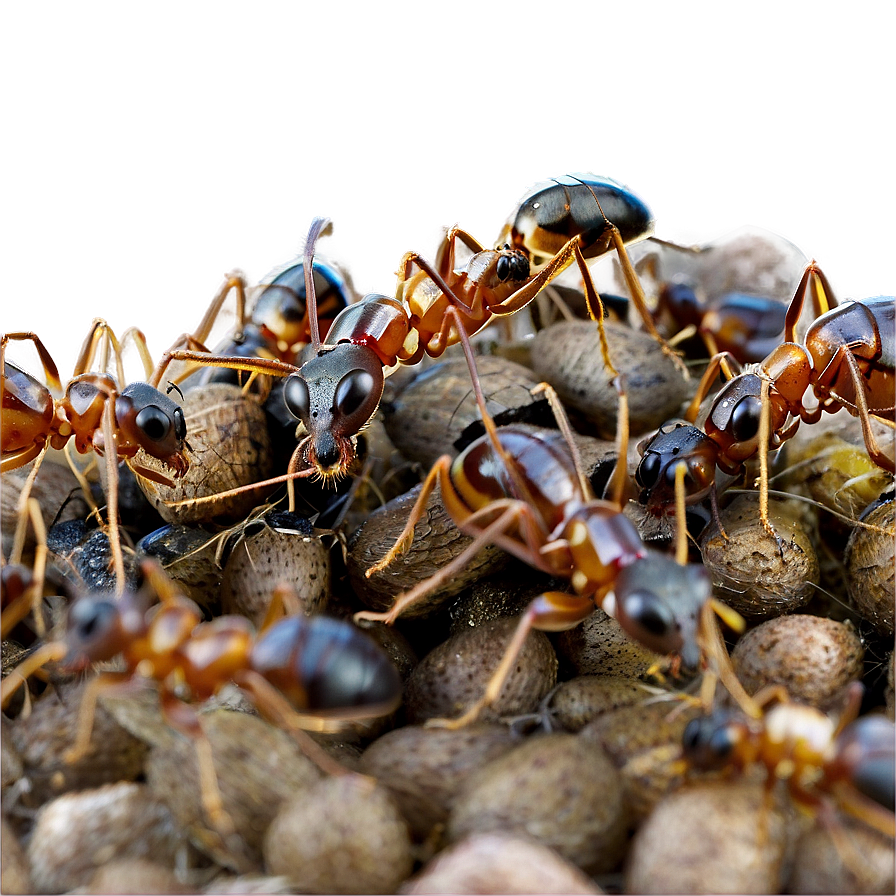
644,742
710,837
863,862
454,675
812,657
599,646
229,447
497,862
257,768
870,560
77,833
568,356
558,788
136,876
344,835
576,702
43,739
423,768
270,557
754,573
15,878
437,541
431,412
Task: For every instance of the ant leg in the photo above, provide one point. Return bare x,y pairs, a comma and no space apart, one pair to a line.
50,370
721,361
553,611
112,496
715,654
99,329
813,283
230,362
49,653
640,300
319,226
132,334
566,429
277,710
30,598
864,414
103,682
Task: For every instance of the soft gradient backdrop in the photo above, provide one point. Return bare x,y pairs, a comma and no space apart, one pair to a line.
149,149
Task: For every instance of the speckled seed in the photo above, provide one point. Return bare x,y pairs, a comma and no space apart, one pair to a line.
14,873
257,768
710,837
43,738
557,788
136,876
870,559
568,356
270,557
229,447
437,540
813,658
863,864
751,571
576,702
345,835
599,646
500,863
454,675
644,742
430,413
423,768
56,490
77,833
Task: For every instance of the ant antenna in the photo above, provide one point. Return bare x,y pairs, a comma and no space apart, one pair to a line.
318,227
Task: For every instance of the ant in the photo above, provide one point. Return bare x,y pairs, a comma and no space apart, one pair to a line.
95,413
849,762
301,673
523,491
337,391
847,360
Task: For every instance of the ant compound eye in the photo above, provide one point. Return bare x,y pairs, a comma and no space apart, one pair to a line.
180,425
520,268
154,423
745,418
503,268
688,476
297,397
89,617
648,472
646,611
353,390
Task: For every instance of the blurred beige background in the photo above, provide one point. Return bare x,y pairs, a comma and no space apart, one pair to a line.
150,149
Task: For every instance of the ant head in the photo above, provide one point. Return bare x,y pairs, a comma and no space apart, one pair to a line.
658,602
94,631
676,442
155,423
511,265
682,303
709,742
864,756
334,395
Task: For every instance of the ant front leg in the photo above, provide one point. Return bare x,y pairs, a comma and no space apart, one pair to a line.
553,611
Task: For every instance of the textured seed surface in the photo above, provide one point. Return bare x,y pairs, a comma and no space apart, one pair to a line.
449,679
812,657
431,412
752,571
43,738
576,702
437,541
260,562
710,837
557,788
599,646
497,862
424,768
257,768
568,356
345,835
77,833
230,447
870,559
